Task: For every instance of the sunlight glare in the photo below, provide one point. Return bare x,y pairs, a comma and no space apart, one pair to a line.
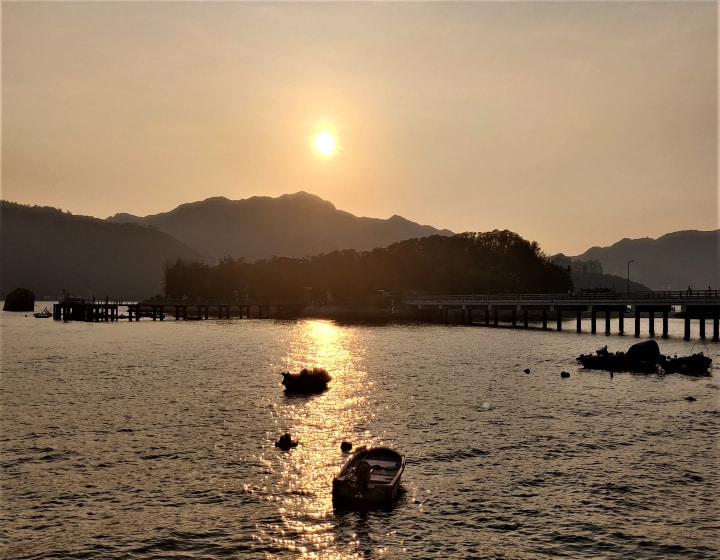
325,143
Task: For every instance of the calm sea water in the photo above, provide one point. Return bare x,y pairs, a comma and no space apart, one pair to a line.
156,440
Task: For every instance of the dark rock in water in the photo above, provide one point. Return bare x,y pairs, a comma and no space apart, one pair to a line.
527,370
20,299
564,374
690,399
346,446
286,442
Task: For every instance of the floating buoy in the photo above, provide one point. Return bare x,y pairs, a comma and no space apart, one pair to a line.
564,374
346,446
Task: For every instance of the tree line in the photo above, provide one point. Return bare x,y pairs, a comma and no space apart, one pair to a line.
466,263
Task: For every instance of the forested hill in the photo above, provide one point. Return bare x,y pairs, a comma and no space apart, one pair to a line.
468,263
47,250
292,225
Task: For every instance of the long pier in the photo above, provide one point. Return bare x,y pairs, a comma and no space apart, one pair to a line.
91,310
88,310
198,310
476,309
700,305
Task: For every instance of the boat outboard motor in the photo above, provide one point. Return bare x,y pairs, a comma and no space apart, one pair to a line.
363,476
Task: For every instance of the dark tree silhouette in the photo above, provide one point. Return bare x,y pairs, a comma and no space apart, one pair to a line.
467,263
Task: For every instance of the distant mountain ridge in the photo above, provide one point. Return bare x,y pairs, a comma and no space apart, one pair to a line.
47,250
671,262
292,225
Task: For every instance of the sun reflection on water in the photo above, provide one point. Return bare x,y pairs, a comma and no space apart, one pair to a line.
303,475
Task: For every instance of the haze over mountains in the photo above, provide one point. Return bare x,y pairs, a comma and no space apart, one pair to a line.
47,250
292,225
671,262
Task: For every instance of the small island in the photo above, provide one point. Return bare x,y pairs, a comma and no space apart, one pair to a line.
20,299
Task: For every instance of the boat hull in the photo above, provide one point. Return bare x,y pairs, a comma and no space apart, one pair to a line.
696,364
307,382
642,357
383,485
617,362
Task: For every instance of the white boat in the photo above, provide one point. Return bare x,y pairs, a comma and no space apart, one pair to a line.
371,477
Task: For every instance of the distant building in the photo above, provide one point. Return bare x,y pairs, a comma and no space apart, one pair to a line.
583,268
561,261
577,268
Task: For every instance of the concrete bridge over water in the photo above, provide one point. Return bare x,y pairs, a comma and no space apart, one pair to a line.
493,309
476,309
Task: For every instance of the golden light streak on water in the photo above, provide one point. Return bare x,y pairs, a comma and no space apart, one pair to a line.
320,423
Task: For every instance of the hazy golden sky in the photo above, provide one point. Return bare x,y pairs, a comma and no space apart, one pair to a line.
571,123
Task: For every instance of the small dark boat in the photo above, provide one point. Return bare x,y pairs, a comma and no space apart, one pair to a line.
370,478
642,357
308,381
695,364
286,442
44,314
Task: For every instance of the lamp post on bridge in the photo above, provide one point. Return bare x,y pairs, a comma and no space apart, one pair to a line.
628,276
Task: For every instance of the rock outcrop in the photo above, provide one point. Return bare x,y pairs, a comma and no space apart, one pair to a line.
20,299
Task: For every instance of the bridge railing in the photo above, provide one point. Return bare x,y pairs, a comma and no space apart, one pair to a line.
675,297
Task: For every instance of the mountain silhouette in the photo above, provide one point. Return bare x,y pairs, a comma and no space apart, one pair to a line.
292,225
47,251
671,262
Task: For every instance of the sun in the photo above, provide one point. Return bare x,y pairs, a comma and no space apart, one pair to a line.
325,143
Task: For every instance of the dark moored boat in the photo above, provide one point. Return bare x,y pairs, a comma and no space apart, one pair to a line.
44,314
695,364
308,381
641,357
371,477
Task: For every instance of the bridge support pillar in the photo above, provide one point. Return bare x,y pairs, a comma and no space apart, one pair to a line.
487,316
544,319
578,320
496,317
651,322
621,321
514,317
665,323
702,327
716,325
687,326
637,322
558,319
593,321
525,318
607,321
